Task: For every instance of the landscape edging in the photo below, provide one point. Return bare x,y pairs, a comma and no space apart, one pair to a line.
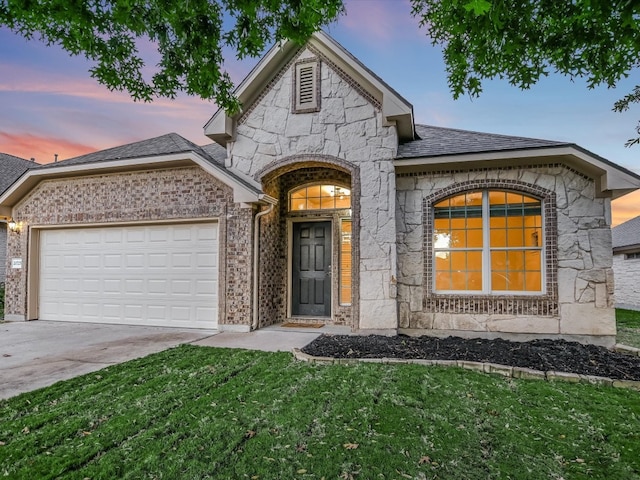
504,370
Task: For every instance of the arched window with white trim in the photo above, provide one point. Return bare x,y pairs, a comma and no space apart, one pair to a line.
488,242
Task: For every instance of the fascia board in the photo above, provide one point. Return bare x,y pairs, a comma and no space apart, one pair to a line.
32,177
611,177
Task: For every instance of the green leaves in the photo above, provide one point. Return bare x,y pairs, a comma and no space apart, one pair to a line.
522,41
479,7
191,38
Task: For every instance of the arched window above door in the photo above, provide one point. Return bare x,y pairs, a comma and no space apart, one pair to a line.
319,197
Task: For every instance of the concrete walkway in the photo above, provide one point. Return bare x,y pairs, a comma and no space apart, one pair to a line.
40,353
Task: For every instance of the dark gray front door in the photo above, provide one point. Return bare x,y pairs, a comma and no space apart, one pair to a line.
311,279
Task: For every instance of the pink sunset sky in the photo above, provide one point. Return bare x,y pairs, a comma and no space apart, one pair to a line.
50,105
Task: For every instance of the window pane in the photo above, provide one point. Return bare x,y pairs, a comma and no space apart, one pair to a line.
474,198
443,281
458,261
515,238
298,204
441,225
458,238
443,262
533,260
497,198
498,281
313,191
498,260
343,201
474,261
533,282
320,197
515,260
458,281
458,200
474,281
498,238
474,238
515,281
345,262
327,203
474,222
532,237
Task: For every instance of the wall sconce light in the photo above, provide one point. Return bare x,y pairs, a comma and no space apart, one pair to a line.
14,226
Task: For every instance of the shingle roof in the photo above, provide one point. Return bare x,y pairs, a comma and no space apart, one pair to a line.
215,151
627,233
439,141
163,145
12,168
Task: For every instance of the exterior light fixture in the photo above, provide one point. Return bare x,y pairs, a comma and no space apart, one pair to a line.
14,226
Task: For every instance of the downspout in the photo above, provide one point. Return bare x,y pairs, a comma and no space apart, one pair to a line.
256,256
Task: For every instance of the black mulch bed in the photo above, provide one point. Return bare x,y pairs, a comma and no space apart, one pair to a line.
544,355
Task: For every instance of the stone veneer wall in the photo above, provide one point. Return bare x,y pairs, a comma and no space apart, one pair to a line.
627,281
348,127
578,301
167,194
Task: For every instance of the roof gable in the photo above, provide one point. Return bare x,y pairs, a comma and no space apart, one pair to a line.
169,150
395,109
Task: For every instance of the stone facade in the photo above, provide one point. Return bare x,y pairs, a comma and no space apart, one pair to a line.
349,128
579,283
627,280
163,195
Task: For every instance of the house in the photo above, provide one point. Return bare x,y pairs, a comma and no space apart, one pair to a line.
322,201
626,264
11,168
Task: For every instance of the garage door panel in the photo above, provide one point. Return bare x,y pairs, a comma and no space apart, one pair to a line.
143,275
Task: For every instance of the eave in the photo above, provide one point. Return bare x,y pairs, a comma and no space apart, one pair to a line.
611,180
242,191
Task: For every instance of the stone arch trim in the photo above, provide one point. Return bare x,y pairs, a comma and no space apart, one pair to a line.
294,162
540,305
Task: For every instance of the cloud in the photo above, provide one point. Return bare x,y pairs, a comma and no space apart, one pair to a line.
41,148
23,80
625,208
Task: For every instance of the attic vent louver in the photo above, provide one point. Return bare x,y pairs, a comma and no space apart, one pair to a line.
306,86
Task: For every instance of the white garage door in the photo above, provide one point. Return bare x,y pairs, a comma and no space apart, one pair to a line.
163,275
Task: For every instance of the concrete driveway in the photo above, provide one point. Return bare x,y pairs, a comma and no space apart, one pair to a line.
40,353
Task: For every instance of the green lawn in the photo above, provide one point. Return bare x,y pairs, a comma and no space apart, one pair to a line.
196,412
628,322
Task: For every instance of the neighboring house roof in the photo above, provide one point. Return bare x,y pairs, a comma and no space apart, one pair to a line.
166,150
626,236
436,141
11,168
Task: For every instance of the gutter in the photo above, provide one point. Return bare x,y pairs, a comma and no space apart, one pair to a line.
256,256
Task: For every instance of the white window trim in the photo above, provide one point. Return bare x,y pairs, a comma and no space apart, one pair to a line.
486,257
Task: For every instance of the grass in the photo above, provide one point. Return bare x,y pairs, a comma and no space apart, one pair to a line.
628,322
197,412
